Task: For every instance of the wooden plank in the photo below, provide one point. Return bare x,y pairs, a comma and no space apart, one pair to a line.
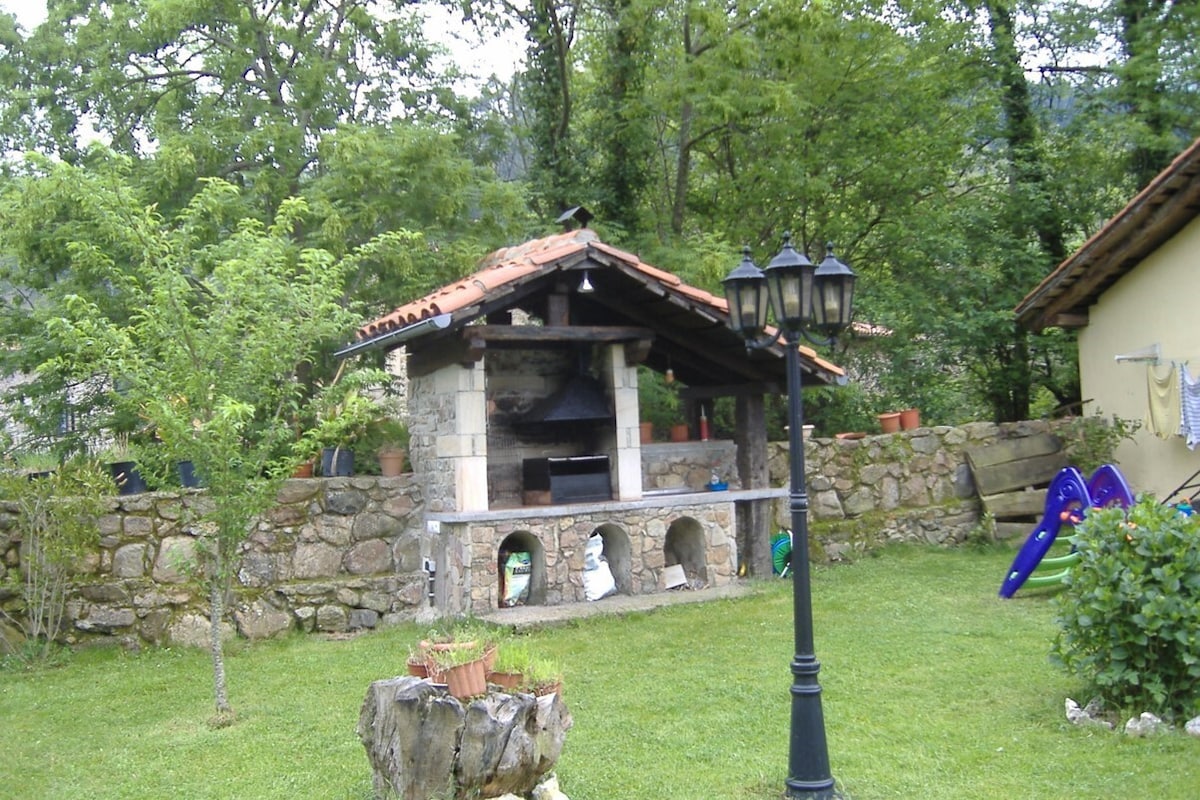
1013,450
1013,531
1015,504
1035,471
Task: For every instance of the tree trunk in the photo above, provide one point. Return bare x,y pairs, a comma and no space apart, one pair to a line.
217,612
754,525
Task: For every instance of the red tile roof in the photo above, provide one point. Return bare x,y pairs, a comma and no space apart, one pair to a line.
511,265
1169,202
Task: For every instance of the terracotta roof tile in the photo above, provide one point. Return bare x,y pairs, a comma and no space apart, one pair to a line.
510,264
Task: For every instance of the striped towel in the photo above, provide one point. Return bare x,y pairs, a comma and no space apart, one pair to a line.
1190,407
1163,416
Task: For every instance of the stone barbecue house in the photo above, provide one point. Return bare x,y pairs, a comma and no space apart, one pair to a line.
522,387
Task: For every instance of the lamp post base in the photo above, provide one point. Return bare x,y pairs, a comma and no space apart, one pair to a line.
805,791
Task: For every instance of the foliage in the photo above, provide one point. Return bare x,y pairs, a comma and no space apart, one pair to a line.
244,91
658,401
222,316
1129,615
837,409
56,517
1091,441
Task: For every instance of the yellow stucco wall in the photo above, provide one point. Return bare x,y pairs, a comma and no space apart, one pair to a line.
1158,302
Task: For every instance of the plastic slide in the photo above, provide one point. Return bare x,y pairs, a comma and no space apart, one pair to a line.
1067,501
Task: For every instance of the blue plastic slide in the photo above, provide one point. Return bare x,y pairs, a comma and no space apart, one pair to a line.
1067,500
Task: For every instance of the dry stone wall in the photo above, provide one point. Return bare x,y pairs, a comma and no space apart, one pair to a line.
341,554
333,555
911,486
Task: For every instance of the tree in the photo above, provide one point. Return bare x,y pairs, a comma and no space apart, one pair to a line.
223,315
243,91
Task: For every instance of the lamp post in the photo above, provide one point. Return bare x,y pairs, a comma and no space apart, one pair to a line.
804,297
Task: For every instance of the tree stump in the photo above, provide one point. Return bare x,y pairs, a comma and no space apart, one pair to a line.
423,743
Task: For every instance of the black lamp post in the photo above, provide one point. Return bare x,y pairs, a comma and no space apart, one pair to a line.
803,297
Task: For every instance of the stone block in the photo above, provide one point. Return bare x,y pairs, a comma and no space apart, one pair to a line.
176,559
317,560
129,561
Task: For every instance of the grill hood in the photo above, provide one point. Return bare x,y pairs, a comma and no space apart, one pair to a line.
582,399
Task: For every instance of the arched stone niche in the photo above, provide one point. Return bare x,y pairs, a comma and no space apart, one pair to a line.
618,551
524,542
685,545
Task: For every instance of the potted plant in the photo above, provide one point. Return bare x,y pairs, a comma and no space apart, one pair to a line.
461,667
338,429
543,676
390,436
513,660
122,465
37,464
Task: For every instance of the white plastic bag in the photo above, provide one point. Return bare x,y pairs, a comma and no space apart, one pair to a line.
597,577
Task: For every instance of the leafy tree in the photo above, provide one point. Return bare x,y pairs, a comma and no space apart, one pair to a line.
230,89
222,316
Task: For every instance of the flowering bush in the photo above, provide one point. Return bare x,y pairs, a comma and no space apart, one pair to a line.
1129,616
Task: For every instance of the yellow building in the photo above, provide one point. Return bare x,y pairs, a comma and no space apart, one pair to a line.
1133,293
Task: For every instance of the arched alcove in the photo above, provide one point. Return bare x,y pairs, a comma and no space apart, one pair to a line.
685,546
524,542
619,553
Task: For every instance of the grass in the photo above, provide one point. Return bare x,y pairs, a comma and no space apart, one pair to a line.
933,688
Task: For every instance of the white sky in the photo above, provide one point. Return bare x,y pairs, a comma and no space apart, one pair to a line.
500,56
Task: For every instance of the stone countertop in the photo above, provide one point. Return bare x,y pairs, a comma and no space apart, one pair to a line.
653,499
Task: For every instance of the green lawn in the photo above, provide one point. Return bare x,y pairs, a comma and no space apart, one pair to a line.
934,688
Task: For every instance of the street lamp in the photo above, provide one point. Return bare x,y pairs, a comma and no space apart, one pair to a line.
804,297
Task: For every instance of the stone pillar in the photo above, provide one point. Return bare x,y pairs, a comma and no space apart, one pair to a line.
624,384
465,443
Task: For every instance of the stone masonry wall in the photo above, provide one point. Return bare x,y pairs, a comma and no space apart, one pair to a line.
334,555
346,553
911,486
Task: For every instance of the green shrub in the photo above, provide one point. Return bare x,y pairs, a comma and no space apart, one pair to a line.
1130,613
54,515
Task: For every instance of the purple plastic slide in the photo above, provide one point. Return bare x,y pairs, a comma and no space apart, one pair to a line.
1067,497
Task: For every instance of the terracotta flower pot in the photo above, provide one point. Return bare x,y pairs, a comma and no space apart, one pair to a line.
646,430
304,470
910,418
679,433
391,463
506,680
889,422
466,680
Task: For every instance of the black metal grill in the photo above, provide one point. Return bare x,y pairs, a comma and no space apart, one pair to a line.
571,479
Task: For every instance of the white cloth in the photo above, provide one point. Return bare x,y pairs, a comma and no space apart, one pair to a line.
1189,407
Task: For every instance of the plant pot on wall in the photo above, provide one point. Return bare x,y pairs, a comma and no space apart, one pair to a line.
337,462
679,432
188,478
646,432
889,422
910,418
129,480
391,462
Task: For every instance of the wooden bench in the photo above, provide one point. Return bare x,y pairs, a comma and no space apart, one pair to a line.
1011,477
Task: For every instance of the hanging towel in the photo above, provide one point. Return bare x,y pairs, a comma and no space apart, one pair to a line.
1163,416
1189,407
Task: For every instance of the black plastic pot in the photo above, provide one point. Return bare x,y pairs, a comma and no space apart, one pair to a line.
187,475
129,480
337,462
